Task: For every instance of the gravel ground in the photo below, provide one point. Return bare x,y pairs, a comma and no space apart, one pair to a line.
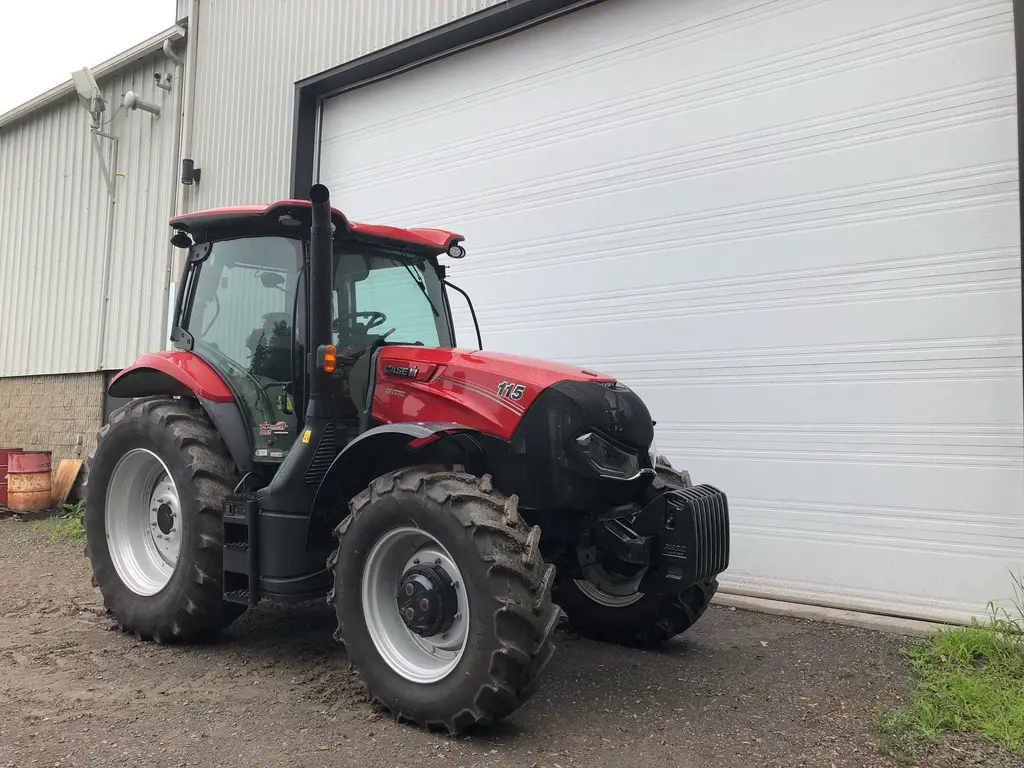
742,690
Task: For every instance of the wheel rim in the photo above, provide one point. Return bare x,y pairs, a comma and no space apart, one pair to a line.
143,522
399,559
610,589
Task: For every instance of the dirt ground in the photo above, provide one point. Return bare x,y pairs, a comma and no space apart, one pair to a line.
742,690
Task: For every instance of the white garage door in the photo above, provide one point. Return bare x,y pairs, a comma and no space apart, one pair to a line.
791,226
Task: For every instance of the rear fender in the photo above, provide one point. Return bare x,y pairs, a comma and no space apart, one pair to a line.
171,373
387,448
185,374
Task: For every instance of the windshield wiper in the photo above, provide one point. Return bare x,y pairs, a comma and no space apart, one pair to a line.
422,287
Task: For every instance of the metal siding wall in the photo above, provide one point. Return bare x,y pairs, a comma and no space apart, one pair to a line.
251,54
53,207
48,194
137,314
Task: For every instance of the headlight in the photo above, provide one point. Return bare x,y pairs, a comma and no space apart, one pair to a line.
607,458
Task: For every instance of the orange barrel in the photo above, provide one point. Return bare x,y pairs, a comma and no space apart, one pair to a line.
29,485
4,453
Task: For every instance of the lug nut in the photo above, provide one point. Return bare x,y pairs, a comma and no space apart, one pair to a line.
409,589
410,613
424,605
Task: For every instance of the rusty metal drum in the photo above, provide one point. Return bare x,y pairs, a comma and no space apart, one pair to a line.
29,482
4,453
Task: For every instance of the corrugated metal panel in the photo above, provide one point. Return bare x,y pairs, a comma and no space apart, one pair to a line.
249,57
136,316
53,209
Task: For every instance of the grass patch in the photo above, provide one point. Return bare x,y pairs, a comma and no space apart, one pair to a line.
969,680
67,526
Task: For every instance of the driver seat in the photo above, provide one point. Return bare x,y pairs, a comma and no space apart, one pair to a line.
270,347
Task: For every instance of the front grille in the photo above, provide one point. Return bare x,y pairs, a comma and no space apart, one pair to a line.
706,509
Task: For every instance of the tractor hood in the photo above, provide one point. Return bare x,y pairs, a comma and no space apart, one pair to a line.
489,391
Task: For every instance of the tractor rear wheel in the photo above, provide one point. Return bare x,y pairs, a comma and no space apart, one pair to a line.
607,605
442,597
153,499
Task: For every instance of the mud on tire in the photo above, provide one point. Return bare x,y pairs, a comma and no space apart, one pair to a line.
190,605
653,619
508,585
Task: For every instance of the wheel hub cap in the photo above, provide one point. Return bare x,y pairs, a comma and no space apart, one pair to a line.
427,600
165,518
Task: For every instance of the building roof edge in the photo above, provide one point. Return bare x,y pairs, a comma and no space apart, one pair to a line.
109,67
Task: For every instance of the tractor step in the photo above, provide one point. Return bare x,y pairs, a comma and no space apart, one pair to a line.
240,562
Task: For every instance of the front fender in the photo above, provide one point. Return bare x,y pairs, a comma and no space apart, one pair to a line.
387,448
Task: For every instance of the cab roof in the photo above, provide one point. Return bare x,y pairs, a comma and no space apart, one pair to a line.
289,216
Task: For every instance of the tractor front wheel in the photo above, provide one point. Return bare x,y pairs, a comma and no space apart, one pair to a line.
155,489
607,605
442,597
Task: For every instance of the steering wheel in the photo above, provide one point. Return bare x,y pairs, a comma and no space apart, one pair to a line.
376,319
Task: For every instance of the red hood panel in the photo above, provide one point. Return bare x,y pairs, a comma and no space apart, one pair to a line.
489,391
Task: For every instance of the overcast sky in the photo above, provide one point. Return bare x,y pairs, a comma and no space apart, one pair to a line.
44,41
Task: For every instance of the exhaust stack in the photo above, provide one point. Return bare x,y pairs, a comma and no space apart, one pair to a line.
320,242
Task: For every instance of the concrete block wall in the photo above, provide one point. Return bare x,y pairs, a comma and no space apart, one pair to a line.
52,413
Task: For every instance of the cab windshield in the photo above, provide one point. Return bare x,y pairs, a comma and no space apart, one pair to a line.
378,290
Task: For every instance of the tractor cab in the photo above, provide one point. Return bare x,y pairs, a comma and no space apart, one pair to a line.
243,306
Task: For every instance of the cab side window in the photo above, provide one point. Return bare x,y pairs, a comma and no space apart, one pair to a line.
242,310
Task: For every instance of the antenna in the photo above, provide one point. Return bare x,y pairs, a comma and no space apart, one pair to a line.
133,102
89,93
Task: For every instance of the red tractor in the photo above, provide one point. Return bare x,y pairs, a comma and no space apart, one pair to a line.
315,432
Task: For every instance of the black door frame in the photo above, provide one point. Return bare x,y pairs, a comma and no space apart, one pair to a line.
499,20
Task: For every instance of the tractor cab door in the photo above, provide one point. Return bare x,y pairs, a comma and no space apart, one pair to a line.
245,305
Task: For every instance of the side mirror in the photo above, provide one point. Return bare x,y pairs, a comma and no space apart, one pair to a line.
271,279
352,267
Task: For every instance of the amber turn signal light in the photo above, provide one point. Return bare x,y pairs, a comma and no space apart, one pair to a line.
327,358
